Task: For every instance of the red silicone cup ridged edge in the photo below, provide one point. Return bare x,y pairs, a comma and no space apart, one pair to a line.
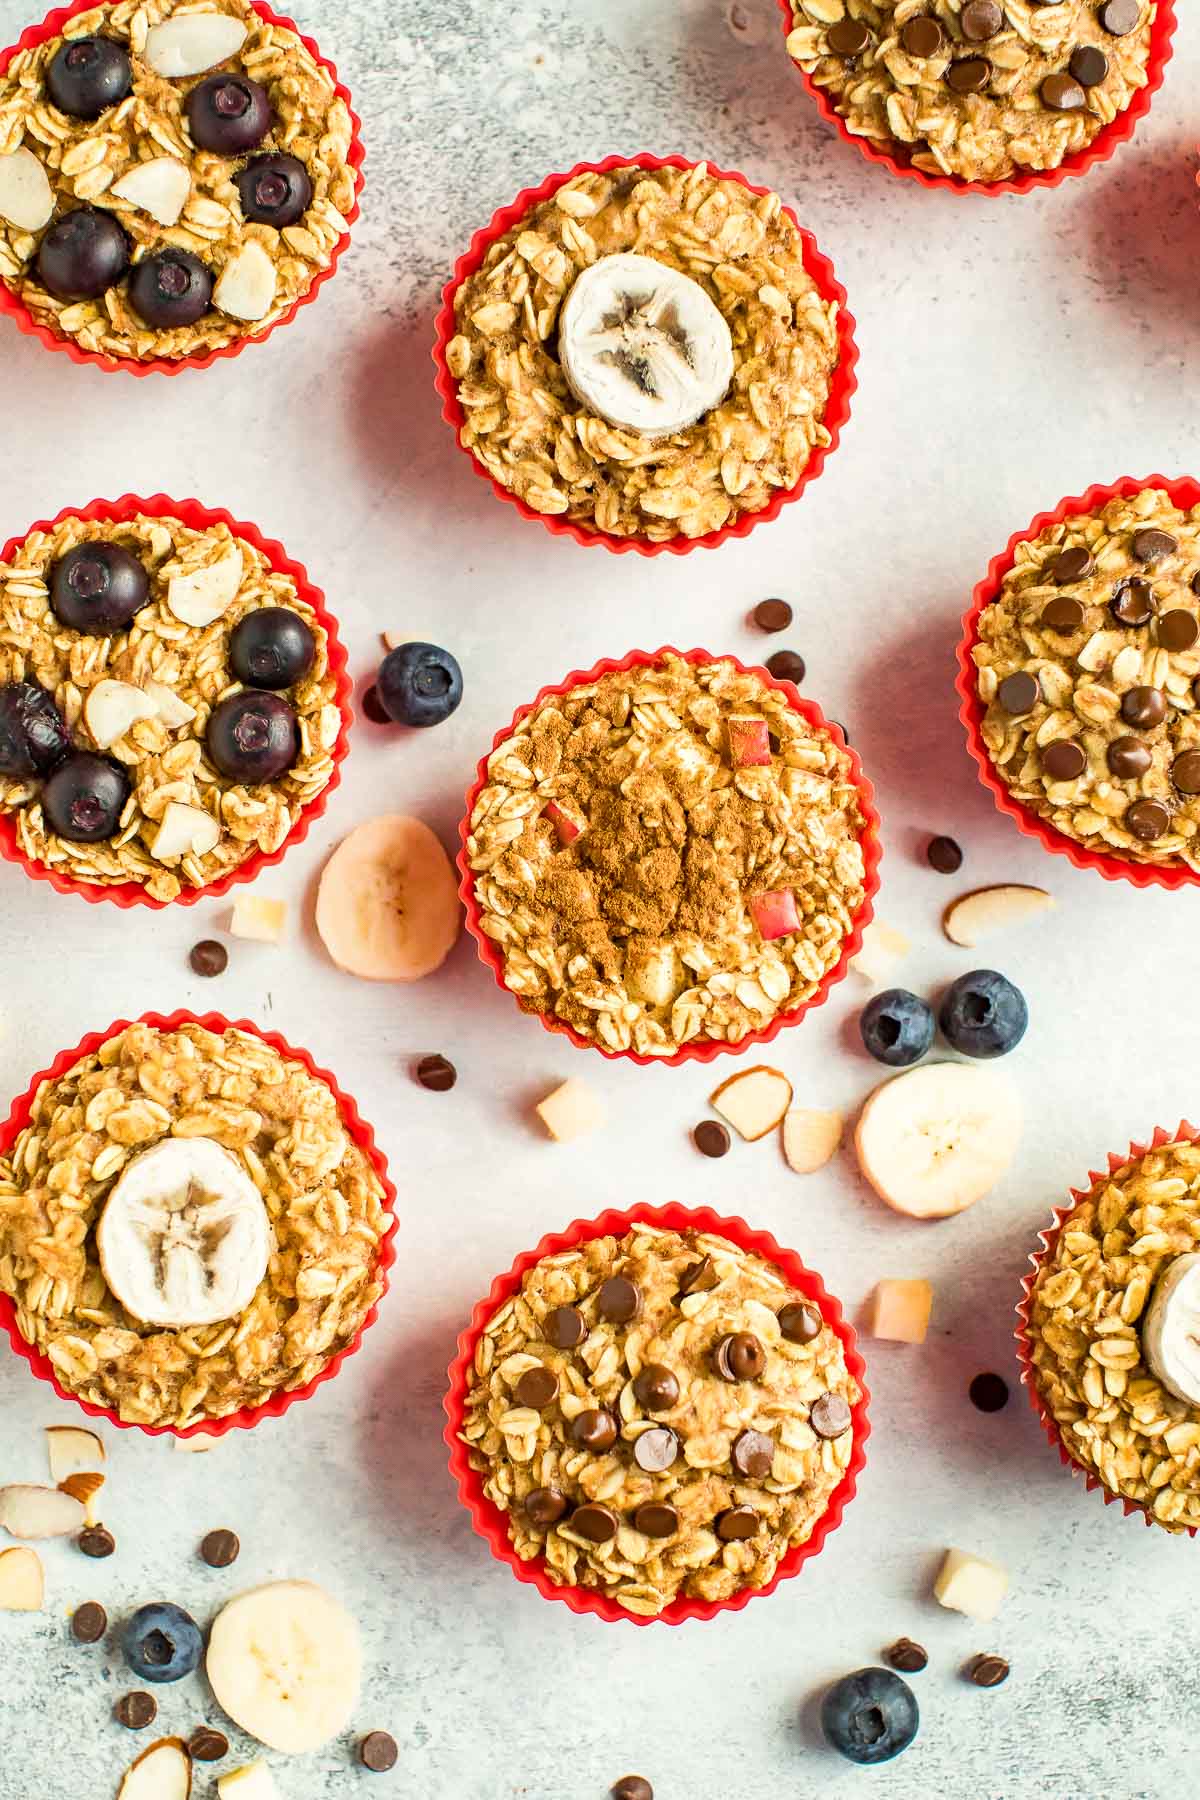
1184,492
15,307
489,1521
837,411
1048,1239
705,1049
363,1135
1101,148
198,517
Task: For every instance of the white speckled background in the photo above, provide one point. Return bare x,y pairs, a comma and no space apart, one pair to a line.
1012,351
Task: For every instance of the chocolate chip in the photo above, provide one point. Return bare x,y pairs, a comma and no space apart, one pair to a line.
564,1327
1178,629
970,76
89,1622
220,1548
1119,17
1133,602
799,1322
989,1393
772,615
829,1416
739,1357
1144,707
753,1455
981,20
656,1449
633,1787
1063,614
372,707
987,1671
135,1711
849,37
544,1506
1128,758
208,1745
1063,760
1061,94
711,1138
908,1657
1019,694
437,1074
96,1540
922,37
1147,820
785,665
595,1430
1196,582
1072,565
738,1524
209,957
655,1387
620,1300
1185,772
595,1523
694,1276
1088,65
378,1752
944,855
537,1387
1151,546
656,1520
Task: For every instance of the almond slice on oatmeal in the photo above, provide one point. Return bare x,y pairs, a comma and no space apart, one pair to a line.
26,198
754,1101
201,596
185,831
246,288
112,707
193,43
159,187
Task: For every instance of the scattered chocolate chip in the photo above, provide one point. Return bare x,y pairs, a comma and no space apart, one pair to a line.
799,1322
209,957
1144,707
1063,760
738,1524
772,615
437,1074
89,1622
944,855
372,707
1178,629
1128,758
922,37
739,1357
1061,94
1185,772
908,1657
829,1416
694,1276
1088,65
655,1387
537,1387
565,1327
135,1711
1120,17
656,1520
1148,820
96,1540
220,1548
981,20
849,37
635,1787
1018,694
595,1523
989,1393
987,1671
619,1300
1151,546
1073,564
594,1430
208,1745
753,1454
545,1506
785,665
970,76
656,1449
711,1138
378,1752
1133,602
1063,614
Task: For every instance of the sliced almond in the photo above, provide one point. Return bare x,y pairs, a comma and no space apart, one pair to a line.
753,1101
193,43
84,1487
173,711
22,1581
203,595
882,948
112,707
39,1512
72,1450
973,917
261,920
195,1446
811,1138
246,287
162,1772
26,198
160,187
185,831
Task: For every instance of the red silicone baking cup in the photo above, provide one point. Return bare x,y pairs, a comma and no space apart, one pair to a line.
191,513
1049,1238
491,1523
12,304
1101,148
703,1049
843,382
1185,493
356,1126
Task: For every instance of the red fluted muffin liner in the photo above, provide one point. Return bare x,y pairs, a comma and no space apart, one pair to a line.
1028,181
192,514
703,1050
1048,1240
12,304
1184,492
491,1523
843,382
357,1128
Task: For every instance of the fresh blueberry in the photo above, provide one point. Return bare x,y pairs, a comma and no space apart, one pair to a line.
983,1014
275,190
271,647
252,736
84,798
33,733
83,253
228,114
88,75
170,288
897,1028
870,1716
418,684
97,588
162,1643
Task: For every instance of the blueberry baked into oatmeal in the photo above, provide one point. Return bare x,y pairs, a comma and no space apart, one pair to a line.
976,88
173,176
645,353
166,704
660,1416
1088,665
187,1226
667,853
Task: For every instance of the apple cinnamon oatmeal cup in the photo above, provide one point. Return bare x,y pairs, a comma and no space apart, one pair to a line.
192,1223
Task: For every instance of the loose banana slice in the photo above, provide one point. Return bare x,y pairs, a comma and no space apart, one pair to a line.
387,906
1171,1334
184,1236
643,345
934,1141
285,1662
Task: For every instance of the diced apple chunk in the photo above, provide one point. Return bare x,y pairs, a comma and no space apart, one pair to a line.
775,913
811,1138
749,743
882,948
653,973
568,828
971,1585
900,1311
72,1450
39,1512
753,1101
571,1111
22,1581
261,920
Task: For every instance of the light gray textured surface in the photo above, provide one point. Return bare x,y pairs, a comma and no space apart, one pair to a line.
1012,352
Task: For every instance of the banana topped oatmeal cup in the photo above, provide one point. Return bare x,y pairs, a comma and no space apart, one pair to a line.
193,1223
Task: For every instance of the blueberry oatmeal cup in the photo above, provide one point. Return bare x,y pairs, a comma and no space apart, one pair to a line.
176,178
172,701
668,855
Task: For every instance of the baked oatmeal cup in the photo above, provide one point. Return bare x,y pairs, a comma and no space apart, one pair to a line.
978,92
657,1414
646,353
173,701
1080,666
177,177
1110,1331
669,857
194,1224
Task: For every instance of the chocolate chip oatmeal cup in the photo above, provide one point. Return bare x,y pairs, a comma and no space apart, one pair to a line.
195,1225
1080,679
177,179
1110,1331
646,353
174,703
982,96
669,857
657,1415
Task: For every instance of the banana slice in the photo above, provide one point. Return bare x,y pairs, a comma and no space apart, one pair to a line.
285,1662
184,1236
1171,1334
934,1141
387,907
643,345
